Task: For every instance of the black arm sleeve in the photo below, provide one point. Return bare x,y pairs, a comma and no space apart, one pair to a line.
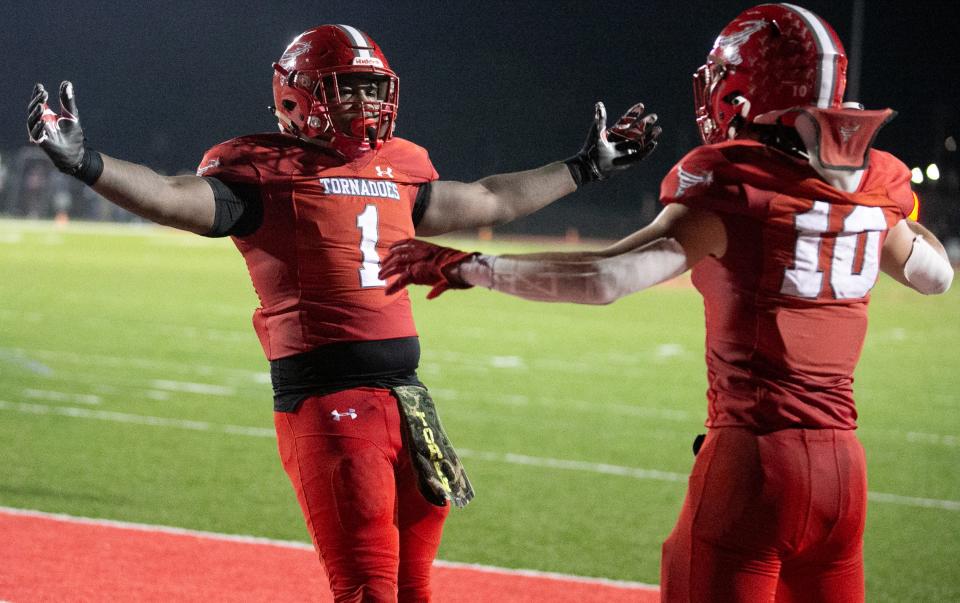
422,203
239,209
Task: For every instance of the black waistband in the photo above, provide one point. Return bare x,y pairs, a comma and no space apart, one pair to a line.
339,366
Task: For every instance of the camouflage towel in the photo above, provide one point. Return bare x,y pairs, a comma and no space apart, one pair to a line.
440,475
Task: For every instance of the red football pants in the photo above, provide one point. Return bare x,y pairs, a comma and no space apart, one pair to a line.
775,517
376,535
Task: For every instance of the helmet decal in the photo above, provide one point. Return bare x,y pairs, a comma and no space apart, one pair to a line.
731,43
290,55
362,46
827,50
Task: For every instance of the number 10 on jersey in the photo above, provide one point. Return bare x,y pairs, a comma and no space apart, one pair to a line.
805,278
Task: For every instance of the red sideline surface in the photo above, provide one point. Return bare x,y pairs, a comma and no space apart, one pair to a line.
58,558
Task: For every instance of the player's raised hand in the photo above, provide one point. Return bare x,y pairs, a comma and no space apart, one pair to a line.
416,262
607,151
60,135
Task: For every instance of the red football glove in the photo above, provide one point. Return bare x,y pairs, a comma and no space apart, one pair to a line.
416,262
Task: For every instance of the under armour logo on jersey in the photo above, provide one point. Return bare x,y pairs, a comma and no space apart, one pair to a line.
688,180
336,414
387,173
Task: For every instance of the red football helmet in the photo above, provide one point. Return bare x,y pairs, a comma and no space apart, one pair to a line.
307,84
772,57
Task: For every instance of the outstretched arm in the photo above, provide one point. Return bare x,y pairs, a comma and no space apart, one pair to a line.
504,197
678,239
913,256
184,202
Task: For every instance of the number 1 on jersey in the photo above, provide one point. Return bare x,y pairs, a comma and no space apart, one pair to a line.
370,267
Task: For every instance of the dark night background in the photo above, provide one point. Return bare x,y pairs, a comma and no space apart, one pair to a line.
485,86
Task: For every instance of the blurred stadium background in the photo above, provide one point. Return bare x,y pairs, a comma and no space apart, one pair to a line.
485,87
125,319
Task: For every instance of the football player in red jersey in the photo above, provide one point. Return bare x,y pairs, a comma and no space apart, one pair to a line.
311,208
786,216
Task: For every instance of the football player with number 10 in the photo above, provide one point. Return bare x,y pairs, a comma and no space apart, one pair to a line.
311,208
786,216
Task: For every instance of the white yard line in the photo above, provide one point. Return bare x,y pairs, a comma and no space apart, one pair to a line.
55,396
32,358
497,457
192,388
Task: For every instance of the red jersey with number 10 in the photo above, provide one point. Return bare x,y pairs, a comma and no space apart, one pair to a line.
314,260
786,306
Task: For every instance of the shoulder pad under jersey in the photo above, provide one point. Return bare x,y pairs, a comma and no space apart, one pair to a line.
236,160
892,175
695,179
409,162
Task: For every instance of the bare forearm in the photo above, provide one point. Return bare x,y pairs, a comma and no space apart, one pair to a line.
493,200
577,278
184,202
522,193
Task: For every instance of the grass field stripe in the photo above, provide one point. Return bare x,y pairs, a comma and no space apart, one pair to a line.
79,227
507,457
555,403
10,357
193,388
533,461
933,438
264,377
21,355
121,417
431,360
203,333
54,396
912,501
244,539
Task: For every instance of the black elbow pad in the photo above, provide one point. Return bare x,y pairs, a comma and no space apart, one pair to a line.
238,209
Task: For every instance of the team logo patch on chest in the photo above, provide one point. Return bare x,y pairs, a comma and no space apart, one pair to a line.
360,187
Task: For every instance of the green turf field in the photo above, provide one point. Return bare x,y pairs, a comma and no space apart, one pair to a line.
132,387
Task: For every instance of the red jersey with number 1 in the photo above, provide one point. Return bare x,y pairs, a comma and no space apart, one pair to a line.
786,306
314,261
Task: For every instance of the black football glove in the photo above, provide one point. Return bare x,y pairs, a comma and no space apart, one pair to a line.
611,150
60,136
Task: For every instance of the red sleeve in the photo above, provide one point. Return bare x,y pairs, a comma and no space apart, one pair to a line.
897,179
